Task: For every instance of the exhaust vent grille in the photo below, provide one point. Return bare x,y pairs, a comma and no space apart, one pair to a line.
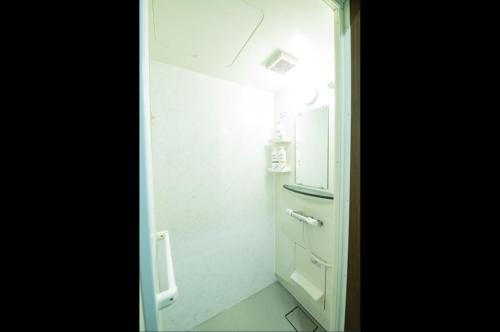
282,63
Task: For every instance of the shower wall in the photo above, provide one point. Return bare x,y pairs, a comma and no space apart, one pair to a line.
212,191
290,234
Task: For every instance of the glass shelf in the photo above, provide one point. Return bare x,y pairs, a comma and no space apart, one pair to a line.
287,170
279,141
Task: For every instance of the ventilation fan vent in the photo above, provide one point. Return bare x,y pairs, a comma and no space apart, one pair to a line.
282,63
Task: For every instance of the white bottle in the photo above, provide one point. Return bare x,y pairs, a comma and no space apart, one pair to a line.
282,159
274,159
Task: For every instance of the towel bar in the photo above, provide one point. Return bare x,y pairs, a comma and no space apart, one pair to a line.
305,219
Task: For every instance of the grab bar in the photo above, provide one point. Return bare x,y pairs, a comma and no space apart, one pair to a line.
168,296
305,219
316,260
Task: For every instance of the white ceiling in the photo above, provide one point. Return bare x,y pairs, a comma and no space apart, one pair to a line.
234,39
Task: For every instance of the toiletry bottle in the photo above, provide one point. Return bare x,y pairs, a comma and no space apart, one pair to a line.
282,158
274,159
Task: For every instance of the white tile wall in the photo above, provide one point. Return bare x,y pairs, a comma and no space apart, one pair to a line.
212,191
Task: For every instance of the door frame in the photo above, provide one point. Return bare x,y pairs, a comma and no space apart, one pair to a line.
343,105
353,300
147,229
342,46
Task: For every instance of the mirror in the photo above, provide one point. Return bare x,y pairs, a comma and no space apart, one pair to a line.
311,148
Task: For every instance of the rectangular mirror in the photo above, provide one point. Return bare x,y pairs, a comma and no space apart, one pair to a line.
311,148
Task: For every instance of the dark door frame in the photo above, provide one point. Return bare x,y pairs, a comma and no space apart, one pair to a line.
353,293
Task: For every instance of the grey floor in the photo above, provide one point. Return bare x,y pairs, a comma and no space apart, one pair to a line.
271,309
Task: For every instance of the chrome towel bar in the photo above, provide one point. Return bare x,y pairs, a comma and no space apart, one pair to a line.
305,219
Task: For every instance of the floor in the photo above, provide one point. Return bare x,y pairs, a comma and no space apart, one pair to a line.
271,309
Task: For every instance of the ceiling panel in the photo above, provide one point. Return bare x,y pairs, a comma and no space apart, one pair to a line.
206,35
214,30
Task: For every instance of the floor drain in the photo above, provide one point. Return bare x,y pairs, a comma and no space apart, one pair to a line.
300,321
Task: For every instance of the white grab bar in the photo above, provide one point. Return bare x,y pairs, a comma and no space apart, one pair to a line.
316,260
168,296
305,219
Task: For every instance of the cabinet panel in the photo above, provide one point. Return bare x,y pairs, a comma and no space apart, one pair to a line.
309,276
321,240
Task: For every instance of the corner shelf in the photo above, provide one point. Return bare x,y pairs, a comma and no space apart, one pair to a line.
275,141
279,141
288,170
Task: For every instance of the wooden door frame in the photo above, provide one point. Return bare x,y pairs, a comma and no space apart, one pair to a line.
353,294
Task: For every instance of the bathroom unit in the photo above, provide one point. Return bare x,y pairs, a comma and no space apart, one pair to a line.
246,139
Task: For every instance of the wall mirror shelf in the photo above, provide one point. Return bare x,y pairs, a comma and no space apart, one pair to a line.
309,191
